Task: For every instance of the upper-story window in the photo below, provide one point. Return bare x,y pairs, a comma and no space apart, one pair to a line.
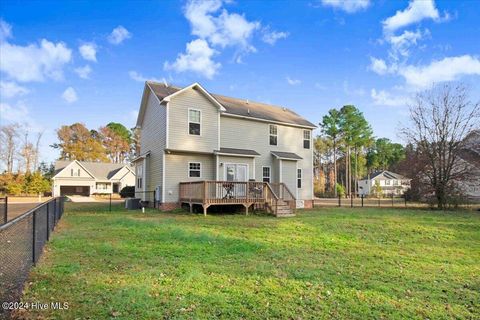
273,135
306,139
194,169
194,119
75,174
266,174
387,182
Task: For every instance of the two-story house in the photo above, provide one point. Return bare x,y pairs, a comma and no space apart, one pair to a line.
389,182
208,149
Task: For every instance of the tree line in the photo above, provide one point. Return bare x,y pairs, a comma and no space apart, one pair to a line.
23,173
346,151
440,121
111,143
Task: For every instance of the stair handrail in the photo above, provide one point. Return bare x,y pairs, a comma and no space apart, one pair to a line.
291,202
275,197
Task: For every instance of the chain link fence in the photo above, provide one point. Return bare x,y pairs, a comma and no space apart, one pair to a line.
21,244
3,210
392,202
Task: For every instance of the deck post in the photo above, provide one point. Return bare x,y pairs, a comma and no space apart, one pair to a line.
246,205
205,207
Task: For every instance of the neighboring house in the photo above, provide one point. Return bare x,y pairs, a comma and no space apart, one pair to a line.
390,183
471,156
190,135
87,178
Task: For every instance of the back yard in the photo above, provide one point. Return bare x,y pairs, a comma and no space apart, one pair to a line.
328,263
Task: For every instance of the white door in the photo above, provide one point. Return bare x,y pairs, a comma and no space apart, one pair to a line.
237,172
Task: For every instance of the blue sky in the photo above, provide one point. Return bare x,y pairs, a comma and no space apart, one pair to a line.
85,61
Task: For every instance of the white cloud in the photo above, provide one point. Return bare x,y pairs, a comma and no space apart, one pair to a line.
384,98
118,35
70,95
271,37
13,114
447,69
83,72
88,51
378,66
197,58
224,30
401,44
5,30
34,62
416,11
293,82
134,75
349,6
10,89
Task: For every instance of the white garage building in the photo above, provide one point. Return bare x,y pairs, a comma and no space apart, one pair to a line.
87,178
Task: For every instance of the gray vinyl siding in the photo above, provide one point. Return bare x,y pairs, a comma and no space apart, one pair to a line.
153,139
250,134
176,165
179,137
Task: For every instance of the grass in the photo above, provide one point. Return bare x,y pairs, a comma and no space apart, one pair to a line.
329,263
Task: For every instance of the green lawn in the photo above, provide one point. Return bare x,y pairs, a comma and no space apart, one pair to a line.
329,263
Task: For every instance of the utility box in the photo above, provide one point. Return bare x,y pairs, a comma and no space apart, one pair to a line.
132,203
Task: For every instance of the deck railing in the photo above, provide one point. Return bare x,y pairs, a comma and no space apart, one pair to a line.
222,192
230,192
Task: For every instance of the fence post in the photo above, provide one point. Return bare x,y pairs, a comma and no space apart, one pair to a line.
339,200
362,200
405,201
351,201
379,201
154,200
34,218
48,221
5,211
110,208
392,199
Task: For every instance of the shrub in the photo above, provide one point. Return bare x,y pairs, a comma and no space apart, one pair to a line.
127,192
340,190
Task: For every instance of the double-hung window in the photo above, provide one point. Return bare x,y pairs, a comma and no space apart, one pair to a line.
273,135
306,139
299,178
139,175
194,122
266,174
194,169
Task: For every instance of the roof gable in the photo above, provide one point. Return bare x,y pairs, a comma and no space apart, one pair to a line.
96,170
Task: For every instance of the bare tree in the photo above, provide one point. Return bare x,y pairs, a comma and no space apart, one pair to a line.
8,145
440,119
37,151
27,153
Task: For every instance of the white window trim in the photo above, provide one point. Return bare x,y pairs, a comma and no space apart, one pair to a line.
309,139
269,173
188,122
270,134
301,177
188,169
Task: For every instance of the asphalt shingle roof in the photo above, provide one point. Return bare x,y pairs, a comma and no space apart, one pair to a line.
246,152
100,170
286,155
241,107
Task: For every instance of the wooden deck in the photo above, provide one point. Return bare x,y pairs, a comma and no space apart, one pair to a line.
272,197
